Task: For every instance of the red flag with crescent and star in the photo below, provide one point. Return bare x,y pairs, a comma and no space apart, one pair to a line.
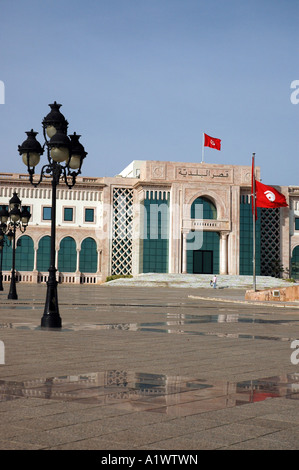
267,196
212,142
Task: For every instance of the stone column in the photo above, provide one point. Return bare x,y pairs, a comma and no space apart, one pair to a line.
56,259
35,272
223,252
56,263
77,273
99,267
99,275
184,253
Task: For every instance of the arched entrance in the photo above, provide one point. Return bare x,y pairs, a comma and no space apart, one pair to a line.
204,259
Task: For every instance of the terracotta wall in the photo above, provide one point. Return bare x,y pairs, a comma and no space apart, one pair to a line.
286,294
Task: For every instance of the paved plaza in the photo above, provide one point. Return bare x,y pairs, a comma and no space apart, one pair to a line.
145,367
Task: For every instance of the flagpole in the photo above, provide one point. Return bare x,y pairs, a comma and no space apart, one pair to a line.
253,219
202,150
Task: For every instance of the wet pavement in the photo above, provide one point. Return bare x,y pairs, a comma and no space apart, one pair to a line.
155,368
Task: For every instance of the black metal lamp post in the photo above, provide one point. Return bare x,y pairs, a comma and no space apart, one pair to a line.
2,242
65,156
3,229
12,288
19,218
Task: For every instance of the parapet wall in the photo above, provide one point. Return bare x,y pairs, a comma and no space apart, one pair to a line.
281,294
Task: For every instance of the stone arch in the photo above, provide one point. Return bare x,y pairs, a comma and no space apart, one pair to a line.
215,198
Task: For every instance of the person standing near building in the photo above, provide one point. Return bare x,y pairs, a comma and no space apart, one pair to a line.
214,282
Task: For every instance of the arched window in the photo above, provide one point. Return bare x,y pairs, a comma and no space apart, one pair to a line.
7,256
203,208
88,256
67,255
24,254
295,263
44,254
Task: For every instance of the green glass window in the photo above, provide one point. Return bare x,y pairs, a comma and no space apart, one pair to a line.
88,256
297,223
203,208
89,215
47,213
7,257
246,239
67,255
68,214
156,234
44,254
295,263
24,254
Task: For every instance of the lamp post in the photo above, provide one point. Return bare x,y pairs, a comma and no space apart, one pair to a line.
65,156
3,229
2,242
19,218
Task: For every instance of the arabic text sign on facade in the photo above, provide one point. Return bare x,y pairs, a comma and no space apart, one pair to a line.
205,174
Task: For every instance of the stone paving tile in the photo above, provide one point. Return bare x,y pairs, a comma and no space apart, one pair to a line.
258,444
187,443
99,418
12,445
98,443
286,437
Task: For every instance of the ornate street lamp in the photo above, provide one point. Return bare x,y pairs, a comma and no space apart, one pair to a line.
65,156
3,241
3,228
19,218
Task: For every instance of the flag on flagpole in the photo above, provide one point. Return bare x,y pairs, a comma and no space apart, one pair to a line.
212,142
253,188
254,219
268,197
264,196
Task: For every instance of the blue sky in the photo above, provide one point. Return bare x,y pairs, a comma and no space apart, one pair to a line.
143,79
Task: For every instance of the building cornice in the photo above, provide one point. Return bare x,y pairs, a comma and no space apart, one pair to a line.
13,179
152,184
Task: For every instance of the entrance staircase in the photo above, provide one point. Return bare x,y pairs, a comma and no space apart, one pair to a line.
199,281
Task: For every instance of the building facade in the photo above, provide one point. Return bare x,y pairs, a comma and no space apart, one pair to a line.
160,217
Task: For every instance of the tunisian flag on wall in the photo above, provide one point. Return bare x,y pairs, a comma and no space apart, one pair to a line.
212,142
268,197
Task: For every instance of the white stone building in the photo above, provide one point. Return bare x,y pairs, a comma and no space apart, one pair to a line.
152,217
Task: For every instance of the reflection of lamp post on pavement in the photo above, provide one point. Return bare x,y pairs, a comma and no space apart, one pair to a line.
65,157
19,218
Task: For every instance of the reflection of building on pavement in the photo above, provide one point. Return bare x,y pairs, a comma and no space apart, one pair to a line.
173,395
